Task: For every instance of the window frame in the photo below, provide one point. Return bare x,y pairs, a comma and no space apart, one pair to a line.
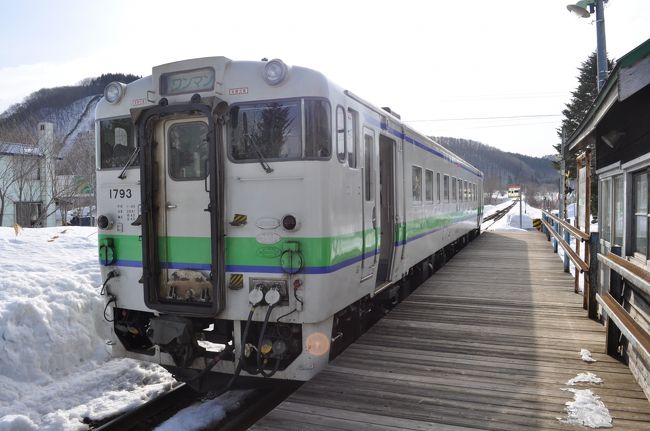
352,119
428,186
414,199
341,133
168,151
303,126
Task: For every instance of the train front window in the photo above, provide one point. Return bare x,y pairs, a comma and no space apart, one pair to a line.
117,143
273,131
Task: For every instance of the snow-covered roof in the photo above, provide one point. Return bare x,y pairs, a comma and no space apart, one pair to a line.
14,149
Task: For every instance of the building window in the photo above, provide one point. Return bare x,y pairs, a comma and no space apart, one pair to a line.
619,210
416,185
640,207
606,209
428,185
341,152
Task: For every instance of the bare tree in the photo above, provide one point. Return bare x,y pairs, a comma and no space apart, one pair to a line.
7,178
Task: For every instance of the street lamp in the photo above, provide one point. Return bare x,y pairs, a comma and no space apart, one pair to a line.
584,9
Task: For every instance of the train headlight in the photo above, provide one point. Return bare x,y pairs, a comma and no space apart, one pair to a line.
114,92
289,222
275,71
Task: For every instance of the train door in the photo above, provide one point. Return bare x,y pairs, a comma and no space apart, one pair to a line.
370,235
184,226
387,207
180,212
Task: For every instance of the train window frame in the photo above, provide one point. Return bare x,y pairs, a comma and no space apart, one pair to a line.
438,187
202,163
341,135
303,121
130,146
416,184
428,185
368,163
352,129
465,192
454,189
445,188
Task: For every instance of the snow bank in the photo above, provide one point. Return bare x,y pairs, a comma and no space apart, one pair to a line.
54,361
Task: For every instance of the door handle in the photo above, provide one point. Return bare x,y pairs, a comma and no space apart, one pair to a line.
171,206
374,217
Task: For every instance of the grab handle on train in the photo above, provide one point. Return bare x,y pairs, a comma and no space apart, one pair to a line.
205,179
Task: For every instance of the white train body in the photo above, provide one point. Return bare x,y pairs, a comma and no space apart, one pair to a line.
241,187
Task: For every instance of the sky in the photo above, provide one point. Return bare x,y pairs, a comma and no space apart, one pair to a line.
499,72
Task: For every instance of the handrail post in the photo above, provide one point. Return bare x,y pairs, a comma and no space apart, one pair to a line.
555,241
567,238
612,333
592,277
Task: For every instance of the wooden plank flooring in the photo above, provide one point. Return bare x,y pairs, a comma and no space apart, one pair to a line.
488,342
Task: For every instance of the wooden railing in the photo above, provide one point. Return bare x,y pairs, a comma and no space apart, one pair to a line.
623,273
561,232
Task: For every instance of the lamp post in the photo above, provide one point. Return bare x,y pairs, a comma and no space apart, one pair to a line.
584,9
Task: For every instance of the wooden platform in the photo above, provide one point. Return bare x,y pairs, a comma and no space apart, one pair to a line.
488,342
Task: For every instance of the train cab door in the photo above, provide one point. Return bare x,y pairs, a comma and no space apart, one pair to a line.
180,223
370,222
184,228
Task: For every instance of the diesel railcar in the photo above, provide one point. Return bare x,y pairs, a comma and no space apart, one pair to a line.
251,215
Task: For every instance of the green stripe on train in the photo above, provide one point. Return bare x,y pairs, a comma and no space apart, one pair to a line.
318,252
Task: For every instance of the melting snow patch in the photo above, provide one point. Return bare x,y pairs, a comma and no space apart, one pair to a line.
585,378
586,355
199,416
586,409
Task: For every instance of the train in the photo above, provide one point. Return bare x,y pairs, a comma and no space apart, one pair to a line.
253,215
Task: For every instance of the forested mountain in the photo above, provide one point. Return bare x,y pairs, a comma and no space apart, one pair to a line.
502,167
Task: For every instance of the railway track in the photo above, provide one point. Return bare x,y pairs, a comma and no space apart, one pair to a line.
496,216
153,413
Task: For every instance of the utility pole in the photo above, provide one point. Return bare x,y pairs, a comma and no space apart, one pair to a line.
562,178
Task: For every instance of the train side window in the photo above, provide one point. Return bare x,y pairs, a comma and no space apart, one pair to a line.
116,143
341,152
352,125
368,144
465,191
428,185
188,150
416,184
438,185
454,189
317,129
446,188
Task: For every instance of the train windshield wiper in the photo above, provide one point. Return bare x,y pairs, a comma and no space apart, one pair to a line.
129,162
260,158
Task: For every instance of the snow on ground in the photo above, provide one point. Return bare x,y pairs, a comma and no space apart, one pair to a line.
55,366
201,415
586,409
585,378
585,355
511,221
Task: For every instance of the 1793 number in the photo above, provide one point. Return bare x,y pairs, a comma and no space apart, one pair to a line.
119,193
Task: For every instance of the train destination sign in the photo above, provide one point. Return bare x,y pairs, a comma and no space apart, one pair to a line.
187,81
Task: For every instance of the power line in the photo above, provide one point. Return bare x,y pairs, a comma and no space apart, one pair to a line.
509,117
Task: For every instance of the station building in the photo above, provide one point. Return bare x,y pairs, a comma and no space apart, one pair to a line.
616,131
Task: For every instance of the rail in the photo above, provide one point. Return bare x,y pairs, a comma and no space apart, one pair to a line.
623,273
561,231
